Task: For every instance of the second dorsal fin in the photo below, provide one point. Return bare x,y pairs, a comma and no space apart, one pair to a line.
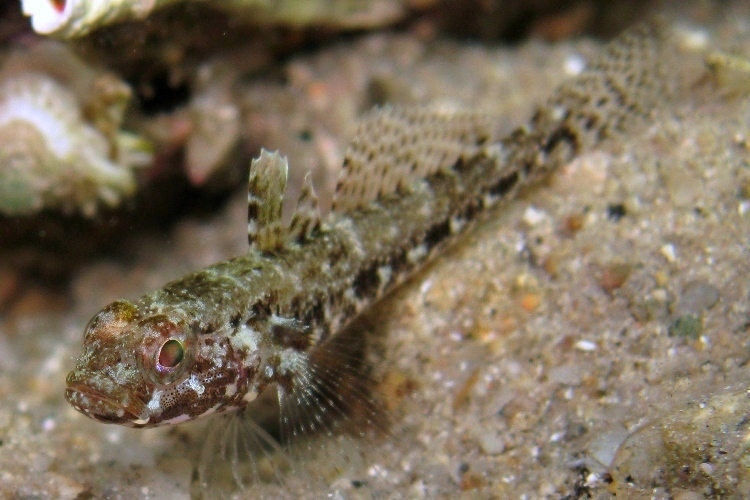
395,147
306,218
265,197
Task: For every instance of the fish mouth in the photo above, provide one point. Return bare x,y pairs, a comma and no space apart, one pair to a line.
89,396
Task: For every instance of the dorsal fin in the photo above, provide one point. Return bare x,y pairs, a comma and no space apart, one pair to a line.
642,69
306,218
265,196
395,147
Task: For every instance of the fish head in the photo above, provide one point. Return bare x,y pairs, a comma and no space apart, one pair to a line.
145,370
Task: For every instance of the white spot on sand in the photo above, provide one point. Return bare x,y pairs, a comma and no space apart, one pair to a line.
669,252
585,345
574,64
533,216
49,424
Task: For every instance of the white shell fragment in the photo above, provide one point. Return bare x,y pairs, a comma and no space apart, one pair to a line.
60,143
75,18
71,18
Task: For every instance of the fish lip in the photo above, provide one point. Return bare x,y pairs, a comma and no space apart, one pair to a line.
87,396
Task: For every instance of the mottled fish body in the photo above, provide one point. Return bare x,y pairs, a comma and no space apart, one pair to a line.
413,180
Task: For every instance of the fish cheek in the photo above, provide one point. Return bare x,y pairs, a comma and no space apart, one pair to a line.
178,403
191,398
220,386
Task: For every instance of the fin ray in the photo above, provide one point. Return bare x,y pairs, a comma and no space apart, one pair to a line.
236,455
331,417
331,389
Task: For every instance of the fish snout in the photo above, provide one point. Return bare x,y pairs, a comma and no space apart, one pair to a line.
104,400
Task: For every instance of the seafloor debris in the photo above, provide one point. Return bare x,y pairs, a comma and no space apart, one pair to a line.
73,18
203,135
701,446
215,122
60,140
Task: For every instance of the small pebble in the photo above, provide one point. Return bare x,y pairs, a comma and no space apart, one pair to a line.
614,276
568,374
616,211
574,64
744,191
472,481
650,309
585,345
461,398
706,468
530,301
684,190
551,265
49,424
697,296
491,444
669,253
394,387
694,38
572,224
593,479
533,216
687,326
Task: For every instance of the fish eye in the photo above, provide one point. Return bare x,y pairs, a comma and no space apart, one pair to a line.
171,354
166,350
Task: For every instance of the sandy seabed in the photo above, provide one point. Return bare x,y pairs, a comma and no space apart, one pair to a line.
589,338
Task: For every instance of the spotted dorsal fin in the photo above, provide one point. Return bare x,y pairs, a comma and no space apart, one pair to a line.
265,197
395,147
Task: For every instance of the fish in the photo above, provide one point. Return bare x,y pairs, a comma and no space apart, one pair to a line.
413,181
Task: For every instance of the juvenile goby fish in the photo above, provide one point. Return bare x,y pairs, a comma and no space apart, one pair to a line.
412,181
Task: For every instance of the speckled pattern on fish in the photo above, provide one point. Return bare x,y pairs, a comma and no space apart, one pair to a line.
412,181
